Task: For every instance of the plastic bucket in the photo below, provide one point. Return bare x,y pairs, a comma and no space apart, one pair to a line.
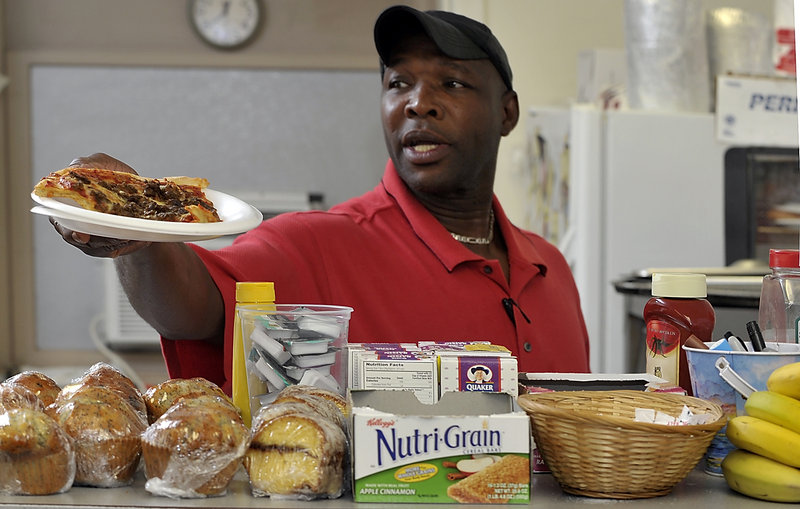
707,383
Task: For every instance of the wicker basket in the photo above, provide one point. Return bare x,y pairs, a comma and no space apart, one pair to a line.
594,448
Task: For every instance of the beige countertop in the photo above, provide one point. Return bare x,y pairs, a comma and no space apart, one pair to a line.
697,490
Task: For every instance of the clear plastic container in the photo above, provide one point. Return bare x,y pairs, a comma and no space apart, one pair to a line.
304,344
677,311
779,307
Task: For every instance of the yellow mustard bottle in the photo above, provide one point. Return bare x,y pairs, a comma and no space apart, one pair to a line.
254,295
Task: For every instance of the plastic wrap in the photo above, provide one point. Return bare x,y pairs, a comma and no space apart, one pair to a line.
334,397
666,54
105,375
738,42
45,388
14,395
36,457
163,396
325,407
296,453
105,431
194,449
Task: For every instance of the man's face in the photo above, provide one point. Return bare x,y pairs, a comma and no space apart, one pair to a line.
443,119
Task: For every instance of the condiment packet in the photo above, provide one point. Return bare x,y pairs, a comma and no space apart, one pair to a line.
267,369
653,416
686,417
273,347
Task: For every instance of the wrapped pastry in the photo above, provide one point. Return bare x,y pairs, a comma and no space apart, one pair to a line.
331,396
159,398
109,377
44,387
315,402
13,395
194,449
36,457
106,433
295,452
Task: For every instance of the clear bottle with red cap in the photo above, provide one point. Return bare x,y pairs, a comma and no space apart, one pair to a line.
779,306
677,312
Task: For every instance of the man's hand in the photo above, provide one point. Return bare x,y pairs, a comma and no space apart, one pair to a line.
93,245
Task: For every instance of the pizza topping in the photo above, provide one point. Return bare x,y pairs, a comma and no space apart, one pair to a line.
175,199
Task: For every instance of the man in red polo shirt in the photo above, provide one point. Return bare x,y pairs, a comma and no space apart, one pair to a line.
428,254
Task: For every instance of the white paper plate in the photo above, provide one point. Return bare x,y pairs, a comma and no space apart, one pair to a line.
237,217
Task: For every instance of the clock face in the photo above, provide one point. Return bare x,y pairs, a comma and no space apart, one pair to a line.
225,23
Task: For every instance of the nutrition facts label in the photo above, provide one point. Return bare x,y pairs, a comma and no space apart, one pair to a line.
417,375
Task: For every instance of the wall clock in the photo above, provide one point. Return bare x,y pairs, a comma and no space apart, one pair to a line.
226,24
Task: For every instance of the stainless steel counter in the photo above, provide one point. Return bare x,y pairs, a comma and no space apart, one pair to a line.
697,490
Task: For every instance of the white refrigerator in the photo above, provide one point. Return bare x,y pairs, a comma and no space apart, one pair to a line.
619,191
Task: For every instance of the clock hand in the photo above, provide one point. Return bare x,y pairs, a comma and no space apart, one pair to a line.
225,8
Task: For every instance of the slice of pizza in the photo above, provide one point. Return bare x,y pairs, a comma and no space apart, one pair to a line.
175,199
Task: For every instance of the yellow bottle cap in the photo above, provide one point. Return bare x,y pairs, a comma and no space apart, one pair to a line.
253,292
679,285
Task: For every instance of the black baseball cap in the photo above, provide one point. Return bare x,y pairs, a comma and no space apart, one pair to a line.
455,35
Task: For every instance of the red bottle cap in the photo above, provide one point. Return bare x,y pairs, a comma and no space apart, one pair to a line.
784,258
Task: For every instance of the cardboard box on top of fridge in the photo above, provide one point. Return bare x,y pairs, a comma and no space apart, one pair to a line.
757,110
466,448
545,382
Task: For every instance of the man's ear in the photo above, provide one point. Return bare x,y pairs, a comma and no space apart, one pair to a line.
510,112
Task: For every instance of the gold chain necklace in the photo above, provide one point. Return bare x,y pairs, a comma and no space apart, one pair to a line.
483,241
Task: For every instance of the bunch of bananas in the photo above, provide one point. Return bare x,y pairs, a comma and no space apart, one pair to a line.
766,464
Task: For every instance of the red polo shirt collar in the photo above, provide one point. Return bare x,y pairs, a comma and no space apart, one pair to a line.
521,253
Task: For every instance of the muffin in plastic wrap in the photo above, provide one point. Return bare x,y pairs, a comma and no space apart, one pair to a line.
194,449
160,398
36,457
13,395
334,397
315,402
296,452
44,387
107,376
106,434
